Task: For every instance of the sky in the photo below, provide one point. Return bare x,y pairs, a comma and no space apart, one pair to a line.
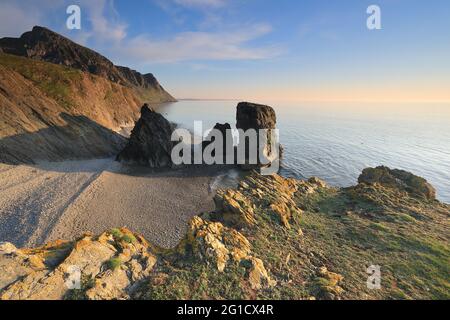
263,50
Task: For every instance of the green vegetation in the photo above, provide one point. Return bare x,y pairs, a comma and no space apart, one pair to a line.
344,230
114,263
413,253
119,236
196,282
129,238
54,80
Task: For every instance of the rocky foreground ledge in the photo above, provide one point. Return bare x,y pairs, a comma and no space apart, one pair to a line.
271,238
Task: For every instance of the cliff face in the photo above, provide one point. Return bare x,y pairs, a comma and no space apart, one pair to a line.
51,112
46,45
59,100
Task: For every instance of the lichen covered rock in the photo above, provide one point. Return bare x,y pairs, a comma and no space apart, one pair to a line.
251,247
215,243
273,192
258,276
328,284
398,179
58,271
234,208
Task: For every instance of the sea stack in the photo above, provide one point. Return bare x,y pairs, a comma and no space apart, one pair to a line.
225,131
150,142
256,116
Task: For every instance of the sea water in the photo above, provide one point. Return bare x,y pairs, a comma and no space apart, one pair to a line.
336,141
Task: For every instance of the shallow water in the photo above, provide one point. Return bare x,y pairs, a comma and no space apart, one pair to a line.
336,141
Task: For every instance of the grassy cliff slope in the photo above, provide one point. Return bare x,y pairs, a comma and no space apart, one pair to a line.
52,112
271,238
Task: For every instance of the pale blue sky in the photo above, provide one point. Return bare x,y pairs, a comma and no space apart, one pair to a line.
271,49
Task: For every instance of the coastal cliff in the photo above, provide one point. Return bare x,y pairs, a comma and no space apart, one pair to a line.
45,45
60,100
269,238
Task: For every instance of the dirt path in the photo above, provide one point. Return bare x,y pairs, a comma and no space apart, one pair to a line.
64,200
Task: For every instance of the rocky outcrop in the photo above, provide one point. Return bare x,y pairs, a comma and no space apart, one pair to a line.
117,263
46,45
251,246
327,284
398,179
257,117
106,267
150,142
225,131
238,207
213,242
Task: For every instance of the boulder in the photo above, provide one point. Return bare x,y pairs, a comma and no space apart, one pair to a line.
150,142
399,179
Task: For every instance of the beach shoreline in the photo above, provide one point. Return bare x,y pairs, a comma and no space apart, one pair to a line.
64,200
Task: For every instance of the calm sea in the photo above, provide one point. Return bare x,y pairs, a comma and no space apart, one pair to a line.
337,141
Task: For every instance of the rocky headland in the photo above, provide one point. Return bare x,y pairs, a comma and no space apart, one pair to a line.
270,238
45,45
60,100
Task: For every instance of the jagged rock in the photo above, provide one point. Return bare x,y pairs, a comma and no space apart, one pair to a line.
281,190
399,179
318,182
110,285
150,142
7,248
31,274
258,275
256,116
212,241
234,208
225,130
136,264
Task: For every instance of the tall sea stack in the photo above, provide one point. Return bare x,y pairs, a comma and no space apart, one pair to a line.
256,116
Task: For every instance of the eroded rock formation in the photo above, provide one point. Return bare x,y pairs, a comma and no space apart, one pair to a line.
399,179
227,137
104,267
251,116
255,116
150,142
